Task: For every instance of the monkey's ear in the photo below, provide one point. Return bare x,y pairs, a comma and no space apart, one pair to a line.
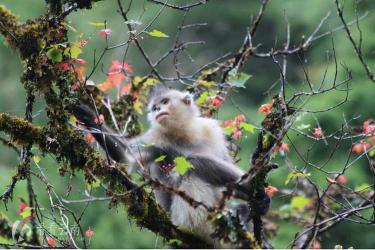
157,89
187,99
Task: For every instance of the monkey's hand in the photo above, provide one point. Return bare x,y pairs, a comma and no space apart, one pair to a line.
85,115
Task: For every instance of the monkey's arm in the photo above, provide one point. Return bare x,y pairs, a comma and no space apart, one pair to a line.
213,170
112,143
220,173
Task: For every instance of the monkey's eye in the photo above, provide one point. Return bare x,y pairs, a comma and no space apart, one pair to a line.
164,101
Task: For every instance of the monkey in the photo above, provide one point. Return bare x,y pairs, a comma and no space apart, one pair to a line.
177,129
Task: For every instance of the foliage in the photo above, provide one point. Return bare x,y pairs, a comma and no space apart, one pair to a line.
57,59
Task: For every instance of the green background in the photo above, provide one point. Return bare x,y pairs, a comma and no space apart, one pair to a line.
226,25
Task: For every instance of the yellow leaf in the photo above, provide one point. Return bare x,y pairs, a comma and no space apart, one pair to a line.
105,86
69,27
157,33
294,175
299,202
138,107
160,158
36,159
97,24
75,50
73,120
137,80
150,82
26,213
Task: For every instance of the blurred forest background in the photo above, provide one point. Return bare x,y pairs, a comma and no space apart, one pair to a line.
224,32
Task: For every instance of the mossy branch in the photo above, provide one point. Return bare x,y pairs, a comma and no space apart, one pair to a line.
274,127
9,25
70,145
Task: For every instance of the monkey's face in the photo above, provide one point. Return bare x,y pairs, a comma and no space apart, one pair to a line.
171,108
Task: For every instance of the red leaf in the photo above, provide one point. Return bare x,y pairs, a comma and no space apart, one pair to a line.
240,118
118,66
79,71
265,108
116,79
75,86
126,89
237,134
51,242
341,179
283,147
270,190
316,245
80,61
360,147
89,138
64,66
228,123
21,207
369,127
217,101
89,233
105,32
105,86
317,133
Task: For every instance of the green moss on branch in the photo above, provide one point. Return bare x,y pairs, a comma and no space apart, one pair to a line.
69,144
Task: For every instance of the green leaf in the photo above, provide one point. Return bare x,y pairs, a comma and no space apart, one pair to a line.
202,98
55,54
74,50
228,130
248,127
294,175
299,202
94,184
34,149
97,24
303,126
182,165
238,80
26,213
175,242
363,187
157,33
5,240
371,153
160,158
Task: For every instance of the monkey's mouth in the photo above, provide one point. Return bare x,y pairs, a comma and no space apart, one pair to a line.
161,116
